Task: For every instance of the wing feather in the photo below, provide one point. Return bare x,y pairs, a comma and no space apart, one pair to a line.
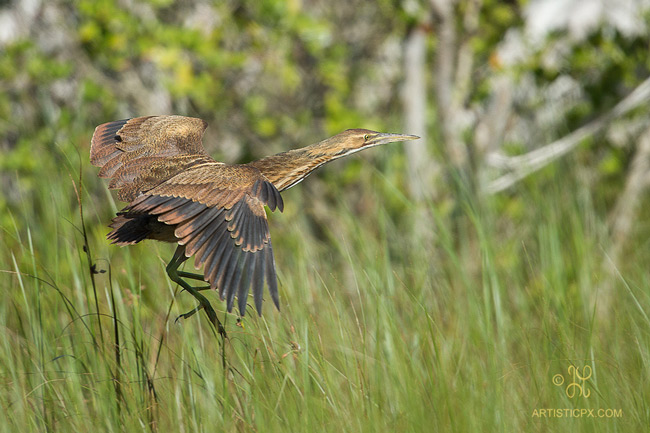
103,142
191,229
245,282
258,280
234,276
271,278
221,272
138,154
216,260
182,213
207,242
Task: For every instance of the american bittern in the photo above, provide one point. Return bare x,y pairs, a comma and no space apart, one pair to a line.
214,211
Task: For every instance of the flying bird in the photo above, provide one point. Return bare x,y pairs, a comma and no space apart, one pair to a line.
214,211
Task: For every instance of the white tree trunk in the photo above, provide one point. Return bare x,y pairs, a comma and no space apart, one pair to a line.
422,169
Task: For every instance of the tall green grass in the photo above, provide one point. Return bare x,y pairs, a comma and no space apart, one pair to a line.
380,329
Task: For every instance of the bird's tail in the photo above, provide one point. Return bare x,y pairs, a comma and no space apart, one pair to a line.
129,229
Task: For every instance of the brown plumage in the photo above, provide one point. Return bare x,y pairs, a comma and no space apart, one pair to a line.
214,211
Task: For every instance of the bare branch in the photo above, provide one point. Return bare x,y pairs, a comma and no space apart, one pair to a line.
524,165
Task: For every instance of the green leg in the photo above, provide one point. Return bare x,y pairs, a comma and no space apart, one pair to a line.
190,275
175,275
193,276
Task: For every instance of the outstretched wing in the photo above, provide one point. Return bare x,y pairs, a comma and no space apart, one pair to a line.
217,212
140,153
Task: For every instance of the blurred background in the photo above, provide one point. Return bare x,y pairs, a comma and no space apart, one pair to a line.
431,285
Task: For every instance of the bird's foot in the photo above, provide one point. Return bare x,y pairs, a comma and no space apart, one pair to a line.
177,276
204,305
212,316
188,314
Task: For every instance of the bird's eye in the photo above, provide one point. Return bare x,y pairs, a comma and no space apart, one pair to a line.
366,137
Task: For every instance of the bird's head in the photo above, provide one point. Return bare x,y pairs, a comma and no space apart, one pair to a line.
354,140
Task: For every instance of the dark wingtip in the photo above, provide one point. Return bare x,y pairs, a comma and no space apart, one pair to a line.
242,306
271,277
269,194
271,199
280,201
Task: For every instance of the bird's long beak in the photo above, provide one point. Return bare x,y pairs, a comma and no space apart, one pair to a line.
383,138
